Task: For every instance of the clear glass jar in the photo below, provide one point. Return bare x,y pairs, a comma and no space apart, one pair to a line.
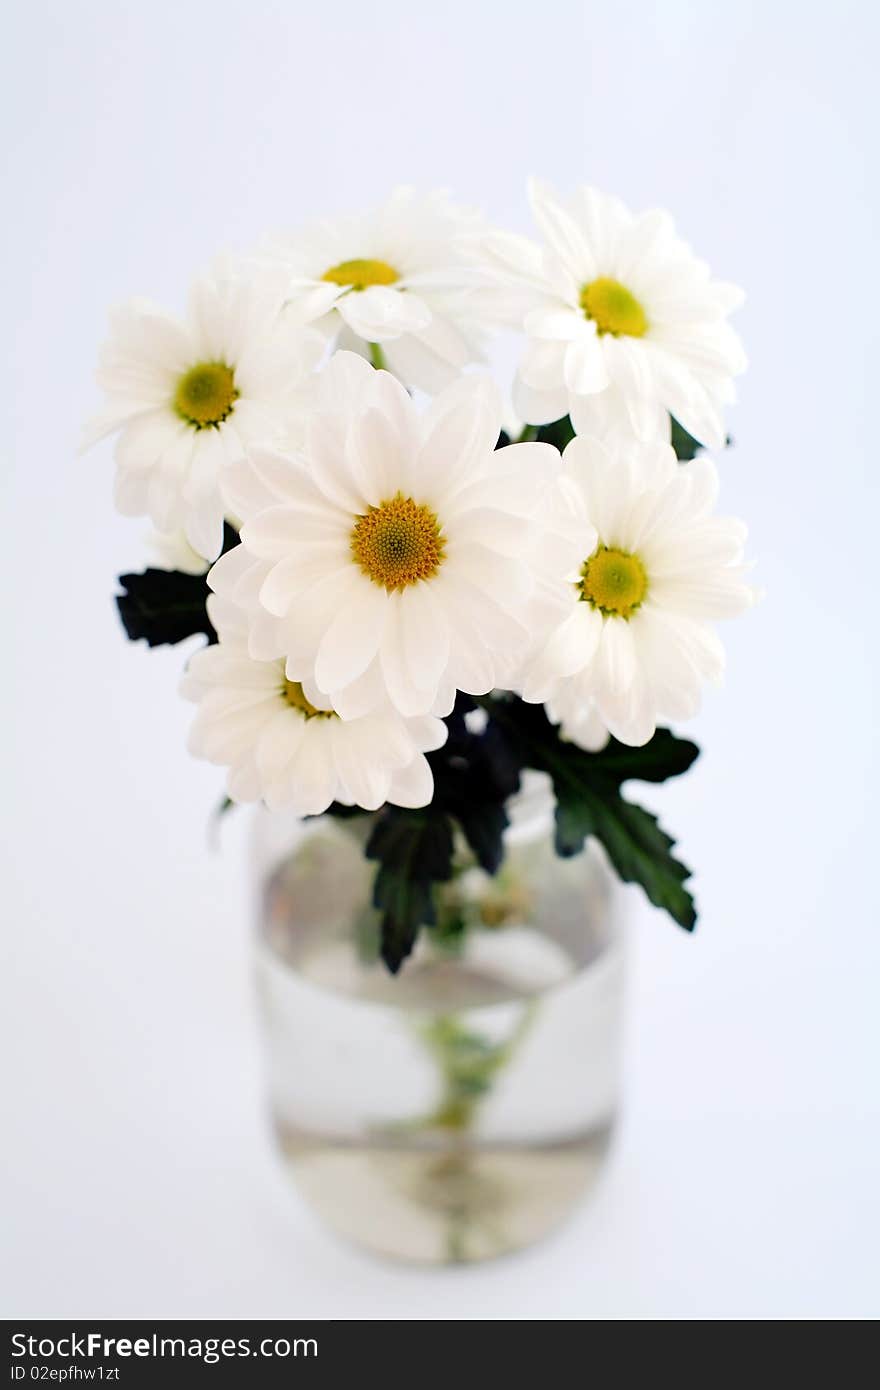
461,1109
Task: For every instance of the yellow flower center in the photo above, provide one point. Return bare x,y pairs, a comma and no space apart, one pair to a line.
359,275
292,692
205,394
613,309
614,581
398,543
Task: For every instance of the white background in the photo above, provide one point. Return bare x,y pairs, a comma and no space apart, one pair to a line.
141,138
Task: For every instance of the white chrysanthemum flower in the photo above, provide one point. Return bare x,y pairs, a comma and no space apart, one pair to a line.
391,560
632,645
282,748
402,276
624,324
190,396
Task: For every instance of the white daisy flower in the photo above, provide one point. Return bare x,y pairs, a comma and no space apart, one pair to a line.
284,749
189,396
391,560
401,277
632,645
624,325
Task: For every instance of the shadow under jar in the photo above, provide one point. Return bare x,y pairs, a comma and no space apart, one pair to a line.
461,1109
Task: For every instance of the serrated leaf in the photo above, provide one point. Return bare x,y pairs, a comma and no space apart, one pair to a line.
166,606
559,433
414,851
589,801
483,825
474,774
640,851
664,756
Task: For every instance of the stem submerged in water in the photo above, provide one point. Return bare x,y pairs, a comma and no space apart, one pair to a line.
468,1063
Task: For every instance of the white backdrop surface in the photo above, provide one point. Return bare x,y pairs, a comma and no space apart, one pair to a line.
137,1175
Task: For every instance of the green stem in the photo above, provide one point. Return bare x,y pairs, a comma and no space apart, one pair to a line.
529,432
468,1064
377,357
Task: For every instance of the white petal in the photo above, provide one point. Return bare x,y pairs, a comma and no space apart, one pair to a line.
379,312
353,637
377,458
330,463
602,476
427,732
285,530
278,742
574,642
412,785
630,367
616,663
230,570
408,698
562,232
412,362
542,367
424,635
203,526
511,535
243,783
557,322
359,769
286,478
585,367
314,610
505,580
471,664
461,428
145,439
539,407
310,300
312,772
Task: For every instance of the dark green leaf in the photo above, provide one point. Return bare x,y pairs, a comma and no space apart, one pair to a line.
474,774
166,606
639,850
589,801
483,824
684,444
559,433
414,851
663,756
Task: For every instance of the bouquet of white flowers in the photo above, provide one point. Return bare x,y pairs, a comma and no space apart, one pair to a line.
408,599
